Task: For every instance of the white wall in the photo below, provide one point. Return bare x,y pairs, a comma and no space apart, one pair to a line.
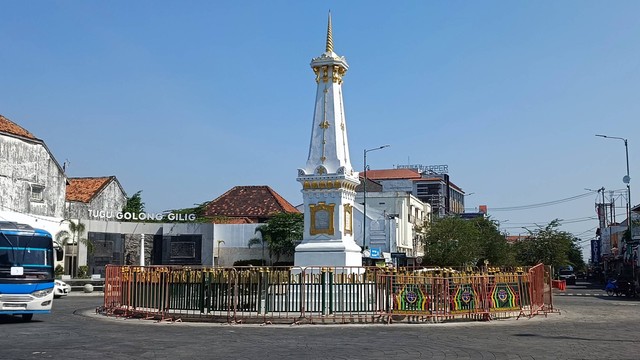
23,164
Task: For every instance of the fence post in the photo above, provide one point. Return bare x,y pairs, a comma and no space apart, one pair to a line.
330,289
323,291
302,280
262,292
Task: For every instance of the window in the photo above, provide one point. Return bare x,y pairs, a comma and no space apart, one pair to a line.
37,193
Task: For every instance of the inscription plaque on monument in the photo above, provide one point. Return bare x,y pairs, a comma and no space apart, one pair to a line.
322,219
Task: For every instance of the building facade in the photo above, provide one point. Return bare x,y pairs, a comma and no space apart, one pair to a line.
402,217
31,180
435,189
91,197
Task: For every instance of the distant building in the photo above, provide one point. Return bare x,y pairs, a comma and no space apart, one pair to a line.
512,239
31,180
482,213
395,224
436,189
94,197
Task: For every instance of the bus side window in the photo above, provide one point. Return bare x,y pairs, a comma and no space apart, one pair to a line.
59,254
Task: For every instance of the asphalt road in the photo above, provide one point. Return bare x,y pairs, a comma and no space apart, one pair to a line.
592,326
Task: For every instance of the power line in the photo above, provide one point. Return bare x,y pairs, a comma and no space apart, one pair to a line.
562,221
538,205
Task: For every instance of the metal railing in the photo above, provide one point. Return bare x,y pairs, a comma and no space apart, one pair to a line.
323,294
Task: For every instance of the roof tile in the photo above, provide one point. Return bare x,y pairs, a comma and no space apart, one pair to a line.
10,127
84,189
250,202
390,174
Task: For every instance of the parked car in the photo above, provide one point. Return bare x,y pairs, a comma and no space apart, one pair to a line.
567,275
60,289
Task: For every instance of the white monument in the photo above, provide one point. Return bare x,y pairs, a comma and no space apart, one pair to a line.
328,180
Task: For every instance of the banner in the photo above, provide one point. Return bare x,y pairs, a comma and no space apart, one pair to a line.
595,251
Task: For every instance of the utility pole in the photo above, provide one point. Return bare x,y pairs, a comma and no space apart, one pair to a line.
364,219
626,179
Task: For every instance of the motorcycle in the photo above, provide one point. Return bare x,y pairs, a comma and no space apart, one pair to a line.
612,288
620,287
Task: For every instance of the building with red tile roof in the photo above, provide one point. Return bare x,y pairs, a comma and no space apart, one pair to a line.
32,182
512,239
255,203
87,196
9,127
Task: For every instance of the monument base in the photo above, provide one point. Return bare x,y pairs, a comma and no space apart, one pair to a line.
327,254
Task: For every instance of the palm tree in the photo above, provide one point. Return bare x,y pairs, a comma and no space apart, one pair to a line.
264,238
73,236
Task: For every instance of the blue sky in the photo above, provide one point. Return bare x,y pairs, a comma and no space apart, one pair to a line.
184,100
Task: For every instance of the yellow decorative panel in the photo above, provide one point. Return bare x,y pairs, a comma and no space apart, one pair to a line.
348,219
322,219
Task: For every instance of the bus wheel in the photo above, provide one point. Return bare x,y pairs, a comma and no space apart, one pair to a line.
27,317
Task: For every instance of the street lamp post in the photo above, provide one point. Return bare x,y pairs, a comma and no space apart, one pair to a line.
626,179
218,258
364,219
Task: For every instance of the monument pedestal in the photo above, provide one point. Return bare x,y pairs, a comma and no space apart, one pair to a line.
328,253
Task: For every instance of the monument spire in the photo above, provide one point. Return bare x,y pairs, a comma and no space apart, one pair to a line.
329,36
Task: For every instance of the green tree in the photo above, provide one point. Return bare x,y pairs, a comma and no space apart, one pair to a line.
72,237
262,240
134,205
550,246
575,256
453,241
280,234
493,244
450,241
198,210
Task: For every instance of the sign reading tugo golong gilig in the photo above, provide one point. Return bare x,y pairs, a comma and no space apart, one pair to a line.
118,215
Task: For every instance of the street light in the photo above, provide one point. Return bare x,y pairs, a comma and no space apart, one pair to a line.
626,179
364,220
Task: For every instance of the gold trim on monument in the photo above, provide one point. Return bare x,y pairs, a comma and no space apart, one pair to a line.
322,218
348,219
329,47
338,73
328,184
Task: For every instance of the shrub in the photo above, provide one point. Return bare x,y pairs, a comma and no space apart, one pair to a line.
59,270
83,272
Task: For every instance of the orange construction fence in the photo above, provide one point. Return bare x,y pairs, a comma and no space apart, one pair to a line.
324,294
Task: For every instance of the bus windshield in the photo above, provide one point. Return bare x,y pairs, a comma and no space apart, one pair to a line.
26,270
32,254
